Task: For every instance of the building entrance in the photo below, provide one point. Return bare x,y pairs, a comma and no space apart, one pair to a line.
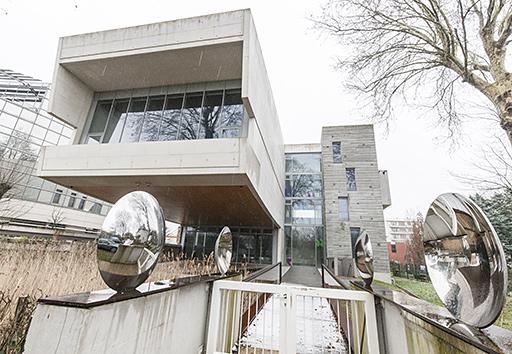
306,246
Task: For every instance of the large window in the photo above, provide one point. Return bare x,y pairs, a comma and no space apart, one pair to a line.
250,245
180,116
304,231
351,179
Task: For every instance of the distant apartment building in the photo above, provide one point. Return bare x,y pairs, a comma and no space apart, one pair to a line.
34,205
184,110
398,232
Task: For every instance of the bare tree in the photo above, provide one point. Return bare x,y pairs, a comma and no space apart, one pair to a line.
16,159
56,220
414,253
492,171
430,47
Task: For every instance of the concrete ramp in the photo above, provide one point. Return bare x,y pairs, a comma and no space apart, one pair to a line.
303,275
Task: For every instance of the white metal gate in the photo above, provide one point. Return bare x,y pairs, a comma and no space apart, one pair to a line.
235,305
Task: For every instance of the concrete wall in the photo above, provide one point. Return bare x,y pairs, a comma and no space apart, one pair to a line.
169,322
148,158
264,128
365,204
384,188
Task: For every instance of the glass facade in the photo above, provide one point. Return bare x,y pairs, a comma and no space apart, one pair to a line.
304,225
26,126
250,245
194,114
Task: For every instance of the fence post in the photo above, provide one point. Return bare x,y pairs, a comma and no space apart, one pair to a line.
371,324
213,323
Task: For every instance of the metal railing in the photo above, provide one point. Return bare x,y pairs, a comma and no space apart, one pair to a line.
249,317
265,271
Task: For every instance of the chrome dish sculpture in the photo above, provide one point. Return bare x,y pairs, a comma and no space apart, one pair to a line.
130,242
224,250
465,260
364,257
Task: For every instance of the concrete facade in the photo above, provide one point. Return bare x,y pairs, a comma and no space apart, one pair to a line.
365,203
241,179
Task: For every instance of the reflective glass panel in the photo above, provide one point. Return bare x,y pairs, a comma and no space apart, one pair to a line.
24,126
171,118
232,113
56,126
211,115
351,179
307,211
191,116
43,121
304,245
116,122
307,186
306,163
336,152
134,120
288,187
152,119
7,120
99,119
38,132
28,115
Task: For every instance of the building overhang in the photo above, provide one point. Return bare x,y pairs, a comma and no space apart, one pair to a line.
204,61
197,182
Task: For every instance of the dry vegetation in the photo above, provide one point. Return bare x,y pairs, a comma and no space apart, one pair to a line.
31,269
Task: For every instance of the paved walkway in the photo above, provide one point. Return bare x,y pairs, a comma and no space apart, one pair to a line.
316,328
303,275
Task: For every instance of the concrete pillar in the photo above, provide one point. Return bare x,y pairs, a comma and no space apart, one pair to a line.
278,246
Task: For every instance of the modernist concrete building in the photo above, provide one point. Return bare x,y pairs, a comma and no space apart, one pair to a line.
34,205
184,110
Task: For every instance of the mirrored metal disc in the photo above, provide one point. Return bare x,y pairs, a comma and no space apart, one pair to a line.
224,250
465,260
131,239
364,257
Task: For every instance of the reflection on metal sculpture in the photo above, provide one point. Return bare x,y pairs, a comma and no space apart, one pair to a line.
364,257
131,239
465,260
224,250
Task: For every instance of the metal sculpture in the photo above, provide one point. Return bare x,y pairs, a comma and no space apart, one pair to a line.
224,250
130,242
364,257
465,260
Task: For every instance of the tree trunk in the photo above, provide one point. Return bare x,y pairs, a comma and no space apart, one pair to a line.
503,104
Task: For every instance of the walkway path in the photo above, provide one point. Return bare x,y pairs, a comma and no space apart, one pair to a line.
316,326
303,275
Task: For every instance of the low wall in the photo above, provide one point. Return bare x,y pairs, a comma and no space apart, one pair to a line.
172,321
403,330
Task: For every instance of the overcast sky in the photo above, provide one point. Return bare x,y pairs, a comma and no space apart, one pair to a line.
308,92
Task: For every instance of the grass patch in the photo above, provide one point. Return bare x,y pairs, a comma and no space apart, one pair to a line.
425,291
421,289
